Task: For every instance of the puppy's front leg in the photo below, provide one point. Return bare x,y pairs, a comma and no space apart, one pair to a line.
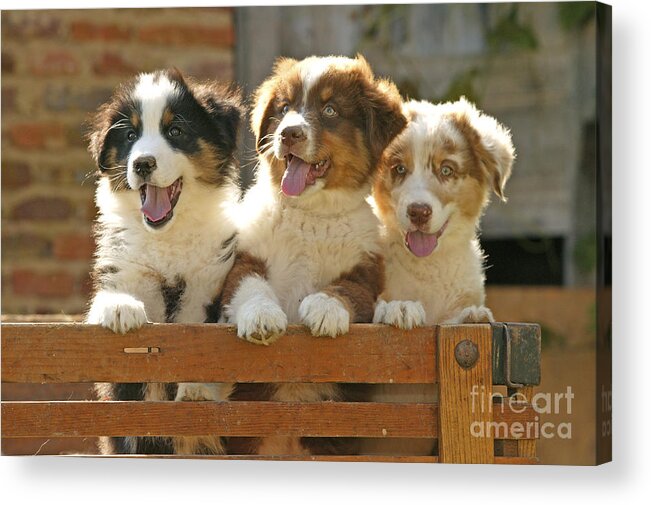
250,302
472,314
350,298
200,392
326,314
403,314
118,312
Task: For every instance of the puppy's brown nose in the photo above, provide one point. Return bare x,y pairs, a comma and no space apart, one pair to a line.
419,213
293,135
144,166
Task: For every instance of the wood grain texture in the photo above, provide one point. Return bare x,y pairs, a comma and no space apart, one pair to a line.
40,353
515,460
238,419
290,457
459,408
327,458
331,419
65,352
41,318
506,448
526,448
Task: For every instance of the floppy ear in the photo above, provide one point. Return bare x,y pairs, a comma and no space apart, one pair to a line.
261,112
223,103
95,139
97,128
384,118
224,106
263,99
490,141
175,75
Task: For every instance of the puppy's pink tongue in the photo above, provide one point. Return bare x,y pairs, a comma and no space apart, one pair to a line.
157,203
421,244
295,177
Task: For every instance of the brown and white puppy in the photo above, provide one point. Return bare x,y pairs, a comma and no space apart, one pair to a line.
165,151
309,247
433,185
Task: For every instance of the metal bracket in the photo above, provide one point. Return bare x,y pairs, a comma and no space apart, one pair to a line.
142,350
516,354
507,370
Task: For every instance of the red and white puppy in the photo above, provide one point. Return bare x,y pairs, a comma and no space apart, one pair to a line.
433,185
309,248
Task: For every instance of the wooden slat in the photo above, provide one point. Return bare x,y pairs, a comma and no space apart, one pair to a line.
238,457
41,318
39,353
526,448
332,419
506,448
516,460
328,458
237,419
460,409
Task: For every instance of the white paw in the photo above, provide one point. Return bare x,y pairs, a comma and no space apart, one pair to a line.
403,314
198,392
118,312
260,320
324,315
474,314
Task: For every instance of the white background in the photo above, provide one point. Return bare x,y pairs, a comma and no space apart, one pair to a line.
627,480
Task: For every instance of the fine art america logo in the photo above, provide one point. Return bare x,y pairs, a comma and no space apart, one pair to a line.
542,404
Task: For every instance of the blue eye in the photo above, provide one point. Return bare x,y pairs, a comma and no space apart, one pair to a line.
285,109
329,111
174,131
446,170
400,169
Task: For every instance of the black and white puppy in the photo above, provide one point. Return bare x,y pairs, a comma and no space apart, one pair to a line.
165,151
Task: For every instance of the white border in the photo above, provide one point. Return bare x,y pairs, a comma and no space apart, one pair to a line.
77,480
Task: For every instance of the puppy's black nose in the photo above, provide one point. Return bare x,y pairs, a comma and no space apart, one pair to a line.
144,166
419,213
293,135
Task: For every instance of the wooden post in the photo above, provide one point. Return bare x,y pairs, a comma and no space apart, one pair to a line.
526,448
465,411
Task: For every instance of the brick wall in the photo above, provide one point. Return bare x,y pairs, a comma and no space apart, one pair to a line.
57,67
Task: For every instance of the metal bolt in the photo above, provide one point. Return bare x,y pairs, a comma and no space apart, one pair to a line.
466,354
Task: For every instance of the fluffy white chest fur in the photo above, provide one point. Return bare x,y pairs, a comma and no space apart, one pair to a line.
188,259
304,249
445,282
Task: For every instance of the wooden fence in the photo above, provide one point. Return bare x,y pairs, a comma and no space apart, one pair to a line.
466,361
